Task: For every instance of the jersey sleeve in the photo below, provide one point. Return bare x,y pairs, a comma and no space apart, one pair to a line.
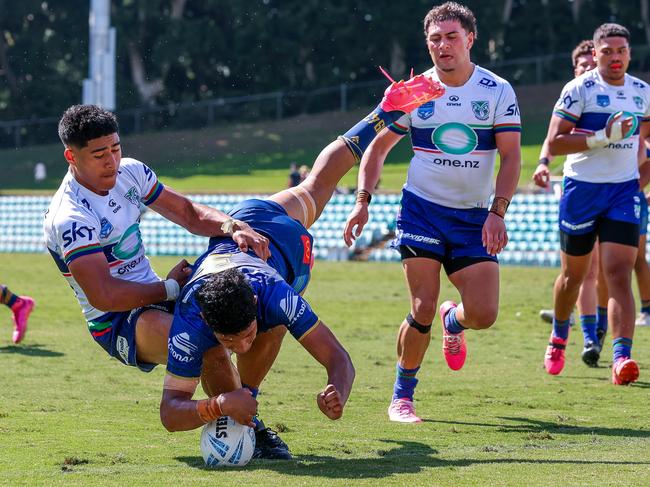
402,125
281,305
571,103
76,235
149,188
506,114
189,338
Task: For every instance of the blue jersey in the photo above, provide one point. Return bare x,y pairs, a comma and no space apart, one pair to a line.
278,303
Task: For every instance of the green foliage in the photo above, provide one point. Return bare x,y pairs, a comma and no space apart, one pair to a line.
71,416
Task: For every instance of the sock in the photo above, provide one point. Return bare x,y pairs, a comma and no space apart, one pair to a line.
602,319
7,297
451,323
622,347
561,328
259,424
645,306
358,138
589,325
405,382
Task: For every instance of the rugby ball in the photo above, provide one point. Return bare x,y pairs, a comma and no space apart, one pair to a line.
226,443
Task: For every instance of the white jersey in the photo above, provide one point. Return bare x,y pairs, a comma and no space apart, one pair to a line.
589,102
454,141
80,222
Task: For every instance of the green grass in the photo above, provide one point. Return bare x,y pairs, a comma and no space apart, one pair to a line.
245,158
71,416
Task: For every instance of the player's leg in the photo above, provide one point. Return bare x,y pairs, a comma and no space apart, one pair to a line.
151,334
642,271
478,285
587,303
253,367
21,307
603,296
423,280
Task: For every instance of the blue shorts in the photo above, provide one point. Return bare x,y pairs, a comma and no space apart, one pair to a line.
583,205
643,219
290,242
449,233
115,332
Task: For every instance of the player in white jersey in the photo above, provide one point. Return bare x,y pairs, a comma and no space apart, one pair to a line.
444,219
598,122
92,232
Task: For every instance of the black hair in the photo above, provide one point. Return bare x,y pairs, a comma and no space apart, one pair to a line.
583,49
81,123
611,30
451,11
227,302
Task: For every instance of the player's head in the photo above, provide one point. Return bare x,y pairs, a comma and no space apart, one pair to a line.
450,31
612,51
92,146
583,57
229,307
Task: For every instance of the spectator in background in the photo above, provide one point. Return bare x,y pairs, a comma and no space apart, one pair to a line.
294,176
304,172
40,172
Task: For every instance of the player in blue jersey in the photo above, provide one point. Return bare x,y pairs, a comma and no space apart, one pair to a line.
445,220
237,301
598,122
92,232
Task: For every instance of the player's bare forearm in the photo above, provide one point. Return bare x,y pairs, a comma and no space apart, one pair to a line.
178,412
326,349
509,147
564,144
373,159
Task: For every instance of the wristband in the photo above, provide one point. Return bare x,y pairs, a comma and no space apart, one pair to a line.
364,196
544,160
598,139
172,288
228,227
499,206
209,409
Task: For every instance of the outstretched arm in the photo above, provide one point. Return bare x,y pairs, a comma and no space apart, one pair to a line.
324,347
209,222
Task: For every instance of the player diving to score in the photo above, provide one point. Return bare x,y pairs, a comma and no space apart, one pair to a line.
238,301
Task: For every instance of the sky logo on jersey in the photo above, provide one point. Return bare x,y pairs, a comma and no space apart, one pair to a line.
481,109
289,306
455,138
426,111
488,83
81,231
106,228
602,100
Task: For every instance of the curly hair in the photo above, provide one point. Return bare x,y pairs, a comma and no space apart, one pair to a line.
451,11
611,30
583,49
81,123
227,302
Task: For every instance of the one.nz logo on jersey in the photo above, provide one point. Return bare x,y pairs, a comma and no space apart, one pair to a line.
481,109
426,111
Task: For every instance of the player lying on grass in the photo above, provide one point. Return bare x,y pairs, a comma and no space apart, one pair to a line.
237,301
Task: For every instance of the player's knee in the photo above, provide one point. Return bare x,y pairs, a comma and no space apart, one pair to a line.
423,328
570,280
482,318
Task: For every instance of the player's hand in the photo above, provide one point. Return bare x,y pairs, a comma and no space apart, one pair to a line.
239,405
495,236
358,217
180,272
615,133
245,237
330,402
542,176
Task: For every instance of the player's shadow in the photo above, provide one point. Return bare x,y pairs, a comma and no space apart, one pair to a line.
533,426
408,458
33,350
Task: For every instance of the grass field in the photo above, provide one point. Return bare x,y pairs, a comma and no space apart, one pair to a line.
71,416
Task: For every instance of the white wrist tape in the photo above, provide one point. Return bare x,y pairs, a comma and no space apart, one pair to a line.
598,139
172,288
